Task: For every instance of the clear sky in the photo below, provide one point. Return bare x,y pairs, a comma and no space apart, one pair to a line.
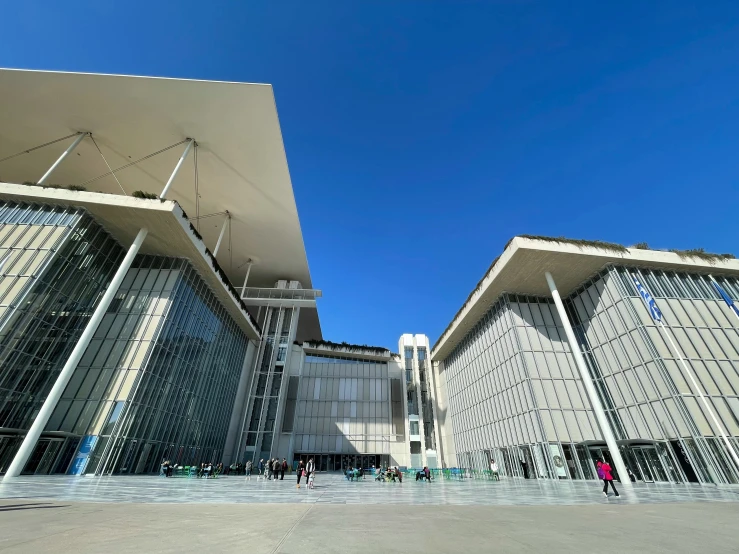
422,134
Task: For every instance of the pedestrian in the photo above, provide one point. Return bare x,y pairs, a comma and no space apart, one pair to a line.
247,470
268,469
494,471
276,465
525,469
309,468
631,475
260,467
283,469
427,472
604,472
311,479
300,472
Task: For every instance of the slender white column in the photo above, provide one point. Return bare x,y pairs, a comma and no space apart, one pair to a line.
697,388
29,443
176,169
223,232
600,414
64,155
246,278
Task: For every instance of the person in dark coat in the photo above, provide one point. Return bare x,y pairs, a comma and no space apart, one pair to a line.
283,469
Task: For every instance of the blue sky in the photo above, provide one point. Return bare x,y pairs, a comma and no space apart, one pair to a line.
422,135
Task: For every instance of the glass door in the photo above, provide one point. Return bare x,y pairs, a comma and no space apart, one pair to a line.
643,465
49,456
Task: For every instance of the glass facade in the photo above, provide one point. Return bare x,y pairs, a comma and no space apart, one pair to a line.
346,411
56,263
267,382
160,374
158,380
515,393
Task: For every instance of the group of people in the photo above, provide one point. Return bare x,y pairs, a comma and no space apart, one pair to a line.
205,469
273,469
425,473
308,471
354,474
388,474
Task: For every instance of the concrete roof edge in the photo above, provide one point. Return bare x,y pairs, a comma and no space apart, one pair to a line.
629,256
25,70
483,284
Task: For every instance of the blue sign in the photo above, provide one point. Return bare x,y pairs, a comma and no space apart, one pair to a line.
648,301
726,297
87,444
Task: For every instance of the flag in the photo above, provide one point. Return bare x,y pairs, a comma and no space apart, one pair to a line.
726,297
648,300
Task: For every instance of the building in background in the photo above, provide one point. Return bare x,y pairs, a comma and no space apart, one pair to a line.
515,389
420,393
345,406
149,243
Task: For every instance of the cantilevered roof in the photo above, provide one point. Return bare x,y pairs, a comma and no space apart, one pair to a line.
521,267
241,161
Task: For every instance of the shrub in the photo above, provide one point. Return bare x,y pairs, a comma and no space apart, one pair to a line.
143,194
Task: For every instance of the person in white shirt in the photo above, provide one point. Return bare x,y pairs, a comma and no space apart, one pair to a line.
494,470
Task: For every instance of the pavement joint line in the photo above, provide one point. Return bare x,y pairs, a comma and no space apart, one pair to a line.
278,546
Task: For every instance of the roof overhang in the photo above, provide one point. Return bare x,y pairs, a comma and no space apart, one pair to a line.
521,267
348,353
242,165
169,233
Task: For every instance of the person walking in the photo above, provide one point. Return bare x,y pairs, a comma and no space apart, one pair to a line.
247,470
604,472
427,472
494,471
283,469
276,465
300,472
260,467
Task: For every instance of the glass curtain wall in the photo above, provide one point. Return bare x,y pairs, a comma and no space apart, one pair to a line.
347,408
427,406
55,264
649,395
159,378
265,395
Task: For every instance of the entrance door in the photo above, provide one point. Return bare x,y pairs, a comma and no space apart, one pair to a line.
650,464
47,460
643,465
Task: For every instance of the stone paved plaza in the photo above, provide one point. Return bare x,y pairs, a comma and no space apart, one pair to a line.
154,514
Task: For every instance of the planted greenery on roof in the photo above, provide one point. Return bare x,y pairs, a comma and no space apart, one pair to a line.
701,254
580,243
222,274
376,350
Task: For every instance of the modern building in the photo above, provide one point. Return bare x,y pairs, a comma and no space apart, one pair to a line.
421,397
345,406
152,271
554,355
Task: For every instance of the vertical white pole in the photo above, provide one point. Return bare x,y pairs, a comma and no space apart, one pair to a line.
29,442
176,169
703,398
600,414
248,270
64,155
226,222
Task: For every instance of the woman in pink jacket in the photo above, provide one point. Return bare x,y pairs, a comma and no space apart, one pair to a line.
604,472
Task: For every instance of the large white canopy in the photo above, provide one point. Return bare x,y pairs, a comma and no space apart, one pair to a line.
241,161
